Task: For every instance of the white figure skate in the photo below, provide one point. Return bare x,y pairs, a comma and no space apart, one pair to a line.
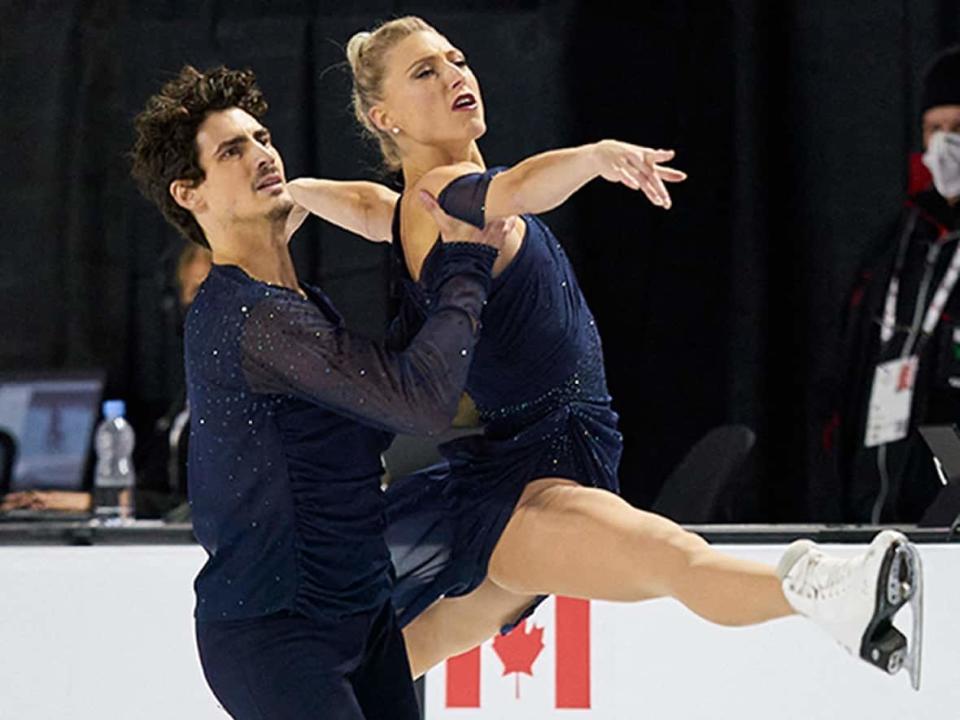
855,600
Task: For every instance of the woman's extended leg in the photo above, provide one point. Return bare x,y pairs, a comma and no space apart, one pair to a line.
567,539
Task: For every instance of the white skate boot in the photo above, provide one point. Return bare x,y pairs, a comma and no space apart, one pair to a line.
855,600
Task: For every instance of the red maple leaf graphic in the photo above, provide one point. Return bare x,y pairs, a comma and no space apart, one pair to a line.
518,650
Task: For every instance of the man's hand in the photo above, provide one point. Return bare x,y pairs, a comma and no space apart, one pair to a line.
495,234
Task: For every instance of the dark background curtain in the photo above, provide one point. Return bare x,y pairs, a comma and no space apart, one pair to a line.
793,119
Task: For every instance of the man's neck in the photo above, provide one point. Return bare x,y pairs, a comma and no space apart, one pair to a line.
264,256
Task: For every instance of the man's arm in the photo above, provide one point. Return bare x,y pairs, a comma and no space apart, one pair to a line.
290,347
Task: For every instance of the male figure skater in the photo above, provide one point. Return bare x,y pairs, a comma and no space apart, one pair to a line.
290,413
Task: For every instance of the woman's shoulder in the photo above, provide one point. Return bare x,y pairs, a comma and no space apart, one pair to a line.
438,178
418,233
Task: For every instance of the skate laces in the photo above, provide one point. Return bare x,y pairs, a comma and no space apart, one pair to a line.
820,575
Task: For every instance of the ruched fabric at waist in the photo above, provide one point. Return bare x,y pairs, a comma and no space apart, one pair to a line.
576,439
578,388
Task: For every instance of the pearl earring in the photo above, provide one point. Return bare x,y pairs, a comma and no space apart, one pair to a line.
396,131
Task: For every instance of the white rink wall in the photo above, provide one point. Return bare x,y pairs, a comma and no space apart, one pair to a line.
106,633
100,633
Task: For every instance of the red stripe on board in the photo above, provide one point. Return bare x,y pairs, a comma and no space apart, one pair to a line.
463,680
573,653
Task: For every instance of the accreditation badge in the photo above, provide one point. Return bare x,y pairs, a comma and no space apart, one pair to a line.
890,401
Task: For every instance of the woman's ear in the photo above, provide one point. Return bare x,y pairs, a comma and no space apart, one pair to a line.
380,118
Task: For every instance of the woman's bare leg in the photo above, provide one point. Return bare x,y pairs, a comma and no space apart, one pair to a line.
566,539
454,625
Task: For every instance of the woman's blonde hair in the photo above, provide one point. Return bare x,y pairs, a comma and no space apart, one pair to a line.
366,53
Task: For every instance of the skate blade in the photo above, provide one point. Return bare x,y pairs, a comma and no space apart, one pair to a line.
901,591
916,608
900,583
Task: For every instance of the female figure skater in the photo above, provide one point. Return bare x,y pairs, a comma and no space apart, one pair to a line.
530,507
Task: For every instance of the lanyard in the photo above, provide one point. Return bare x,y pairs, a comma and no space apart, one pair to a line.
893,289
940,296
943,291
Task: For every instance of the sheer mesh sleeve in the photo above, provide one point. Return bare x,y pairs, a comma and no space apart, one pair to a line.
290,346
465,198
407,323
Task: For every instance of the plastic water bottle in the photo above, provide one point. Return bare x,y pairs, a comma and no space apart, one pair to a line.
114,478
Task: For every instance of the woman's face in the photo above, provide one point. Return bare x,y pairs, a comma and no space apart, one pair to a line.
430,93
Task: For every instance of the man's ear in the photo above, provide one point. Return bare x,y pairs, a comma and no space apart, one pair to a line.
185,194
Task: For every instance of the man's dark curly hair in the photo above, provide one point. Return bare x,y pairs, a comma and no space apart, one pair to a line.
165,148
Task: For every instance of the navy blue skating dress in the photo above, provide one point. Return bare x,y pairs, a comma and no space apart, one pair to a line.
538,382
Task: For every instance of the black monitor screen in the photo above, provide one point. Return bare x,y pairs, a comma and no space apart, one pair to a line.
52,420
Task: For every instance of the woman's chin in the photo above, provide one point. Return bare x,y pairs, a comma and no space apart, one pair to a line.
478,128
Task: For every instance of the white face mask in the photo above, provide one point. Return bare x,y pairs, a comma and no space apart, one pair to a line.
942,159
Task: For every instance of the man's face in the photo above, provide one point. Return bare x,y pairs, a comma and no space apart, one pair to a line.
942,118
244,180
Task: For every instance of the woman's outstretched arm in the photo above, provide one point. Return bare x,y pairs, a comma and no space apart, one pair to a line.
363,208
545,181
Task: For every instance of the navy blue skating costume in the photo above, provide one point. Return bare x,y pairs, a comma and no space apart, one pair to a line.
290,414
538,382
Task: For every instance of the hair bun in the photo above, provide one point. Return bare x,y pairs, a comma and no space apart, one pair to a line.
355,47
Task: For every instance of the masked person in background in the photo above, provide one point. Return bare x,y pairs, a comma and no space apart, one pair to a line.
901,346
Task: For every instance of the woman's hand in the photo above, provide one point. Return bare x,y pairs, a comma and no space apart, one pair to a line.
637,168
